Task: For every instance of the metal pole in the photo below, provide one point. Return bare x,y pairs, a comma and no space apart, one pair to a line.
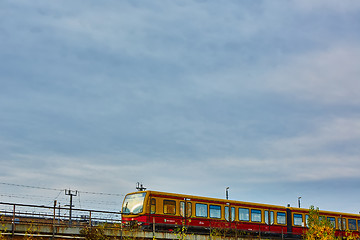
236,230
90,223
13,222
153,227
71,194
299,201
70,208
59,214
185,212
121,229
227,193
53,228
259,232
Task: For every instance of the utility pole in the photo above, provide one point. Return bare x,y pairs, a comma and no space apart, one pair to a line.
70,193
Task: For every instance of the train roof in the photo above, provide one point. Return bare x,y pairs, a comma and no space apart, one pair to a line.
250,204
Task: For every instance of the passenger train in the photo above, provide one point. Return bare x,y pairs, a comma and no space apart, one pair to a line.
169,211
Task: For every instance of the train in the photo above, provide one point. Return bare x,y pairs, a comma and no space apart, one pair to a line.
163,210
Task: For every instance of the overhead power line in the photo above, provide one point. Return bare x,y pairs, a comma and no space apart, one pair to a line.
27,186
58,189
100,193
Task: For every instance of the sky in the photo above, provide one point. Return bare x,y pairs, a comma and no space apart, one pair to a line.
184,96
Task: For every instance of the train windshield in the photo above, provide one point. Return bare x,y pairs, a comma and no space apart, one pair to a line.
133,204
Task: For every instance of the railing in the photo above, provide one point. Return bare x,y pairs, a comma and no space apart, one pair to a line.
14,214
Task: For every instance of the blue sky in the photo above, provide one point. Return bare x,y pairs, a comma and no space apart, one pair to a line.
185,96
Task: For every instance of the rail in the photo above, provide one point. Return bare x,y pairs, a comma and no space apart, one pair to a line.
51,215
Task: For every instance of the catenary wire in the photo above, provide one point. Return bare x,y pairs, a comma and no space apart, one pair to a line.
58,189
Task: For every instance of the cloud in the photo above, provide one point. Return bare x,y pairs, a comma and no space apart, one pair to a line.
185,96
326,5
326,135
291,170
327,77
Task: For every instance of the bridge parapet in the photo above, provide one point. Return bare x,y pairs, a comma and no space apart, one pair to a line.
31,231
44,232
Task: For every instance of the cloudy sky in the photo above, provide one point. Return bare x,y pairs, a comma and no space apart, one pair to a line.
184,96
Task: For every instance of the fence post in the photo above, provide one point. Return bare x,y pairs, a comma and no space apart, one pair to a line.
236,230
210,233
13,223
90,222
259,232
121,229
153,227
53,222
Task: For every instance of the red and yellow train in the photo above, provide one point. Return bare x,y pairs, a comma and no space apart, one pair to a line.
168,210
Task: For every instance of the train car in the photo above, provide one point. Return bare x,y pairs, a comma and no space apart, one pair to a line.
169,211
343,223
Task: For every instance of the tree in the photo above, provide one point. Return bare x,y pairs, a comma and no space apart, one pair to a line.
319,228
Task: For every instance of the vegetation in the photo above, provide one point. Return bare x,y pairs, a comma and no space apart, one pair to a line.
33,232
351,235
94,233
181,232
2,229
319,228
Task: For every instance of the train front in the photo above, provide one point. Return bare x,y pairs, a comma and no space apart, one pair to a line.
133,208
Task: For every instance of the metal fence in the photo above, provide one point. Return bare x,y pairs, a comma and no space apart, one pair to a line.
49,215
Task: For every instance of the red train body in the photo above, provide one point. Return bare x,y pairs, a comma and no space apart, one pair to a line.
169,211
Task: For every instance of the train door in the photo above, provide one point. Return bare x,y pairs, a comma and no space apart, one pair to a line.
152,211
229,215
289,221
185,210
269,218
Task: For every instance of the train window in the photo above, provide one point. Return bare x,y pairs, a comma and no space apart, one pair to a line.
342,223
169,207
133,203
281,218
298,220
182,209
244,214
352,224
269,218
307,220
189,209
227,213
215,211
152,205
232,214
358,221
332,221
201,210
255,215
